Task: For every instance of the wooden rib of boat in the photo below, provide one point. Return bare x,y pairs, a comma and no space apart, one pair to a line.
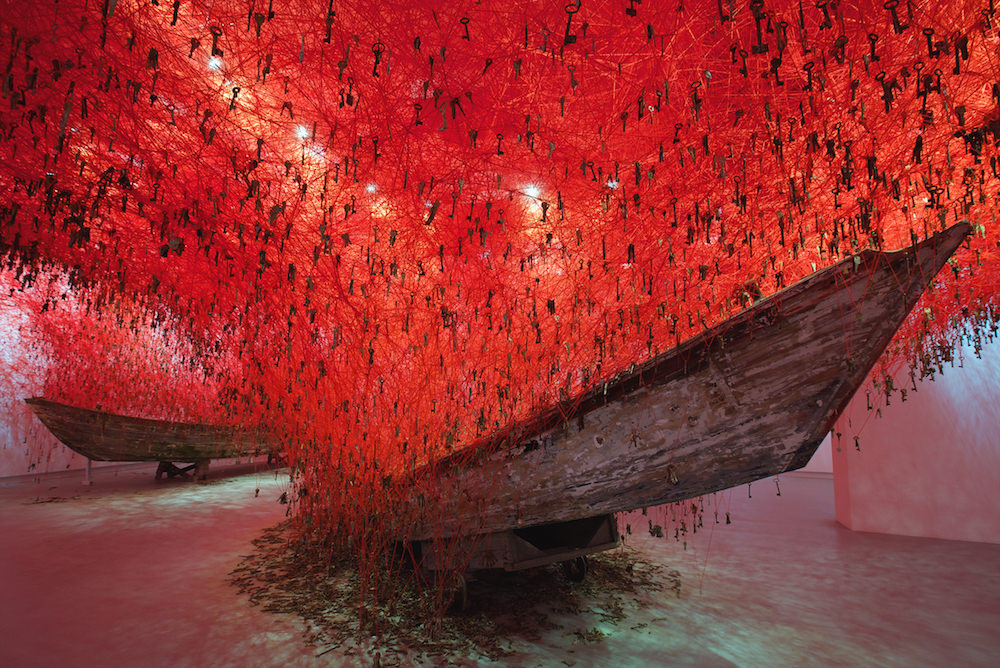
108,437
750,398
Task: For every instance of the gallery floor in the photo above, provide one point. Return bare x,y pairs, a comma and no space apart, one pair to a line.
129,572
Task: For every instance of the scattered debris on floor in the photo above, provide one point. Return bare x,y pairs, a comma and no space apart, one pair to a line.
51,499
285,574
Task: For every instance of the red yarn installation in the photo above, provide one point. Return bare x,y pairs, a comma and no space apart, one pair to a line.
384,230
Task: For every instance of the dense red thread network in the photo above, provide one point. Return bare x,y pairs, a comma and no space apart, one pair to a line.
384,229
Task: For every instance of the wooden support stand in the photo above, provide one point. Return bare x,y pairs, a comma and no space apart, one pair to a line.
197,470
518,549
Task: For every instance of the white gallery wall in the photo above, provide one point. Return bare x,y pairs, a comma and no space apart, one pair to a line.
930,465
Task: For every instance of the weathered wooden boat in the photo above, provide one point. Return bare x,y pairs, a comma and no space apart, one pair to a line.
750,398
108,437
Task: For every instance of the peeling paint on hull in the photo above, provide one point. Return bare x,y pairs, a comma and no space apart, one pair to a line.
748,399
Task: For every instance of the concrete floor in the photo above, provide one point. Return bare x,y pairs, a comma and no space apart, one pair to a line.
130,572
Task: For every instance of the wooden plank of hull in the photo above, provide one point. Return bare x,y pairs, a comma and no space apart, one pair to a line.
117,438
750,398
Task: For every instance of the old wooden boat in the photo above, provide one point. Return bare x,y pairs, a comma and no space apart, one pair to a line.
108,437
750,398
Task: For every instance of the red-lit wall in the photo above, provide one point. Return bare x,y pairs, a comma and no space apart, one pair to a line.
929,466
26,447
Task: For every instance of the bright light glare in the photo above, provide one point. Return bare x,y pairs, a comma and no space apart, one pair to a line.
302,132
612,184
370,187
532,191
214,63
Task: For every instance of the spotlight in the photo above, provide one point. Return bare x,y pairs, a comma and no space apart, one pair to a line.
532,191
215,63
370,187
302,132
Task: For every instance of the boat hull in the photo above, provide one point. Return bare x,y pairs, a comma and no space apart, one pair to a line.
750,398
118,438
